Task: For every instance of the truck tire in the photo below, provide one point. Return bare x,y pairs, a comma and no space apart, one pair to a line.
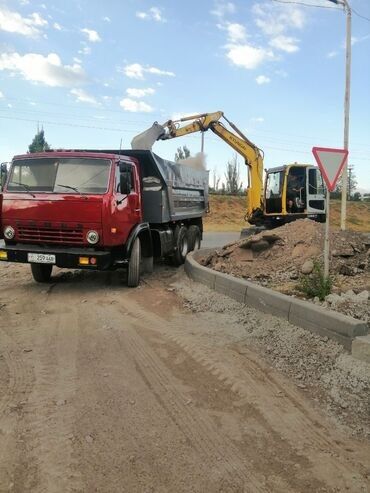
181,245
41,272
194,237
133,276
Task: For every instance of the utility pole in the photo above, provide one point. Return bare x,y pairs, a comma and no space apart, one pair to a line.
347,93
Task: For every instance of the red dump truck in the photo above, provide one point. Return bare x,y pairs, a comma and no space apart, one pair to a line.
100,210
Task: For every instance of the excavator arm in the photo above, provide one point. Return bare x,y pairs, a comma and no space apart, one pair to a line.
252,155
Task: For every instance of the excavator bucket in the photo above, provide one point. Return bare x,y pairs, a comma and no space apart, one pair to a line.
146,139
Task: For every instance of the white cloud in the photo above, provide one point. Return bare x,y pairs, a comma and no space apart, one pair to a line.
13,22
257,119
1,94
275,19
332,54
223,8
47,70
106,19
135,106
32,103
77,60
248,56
57,26
85,50
92,35
139,93
83,97
137,71
285,43
262,79
235,32
154,13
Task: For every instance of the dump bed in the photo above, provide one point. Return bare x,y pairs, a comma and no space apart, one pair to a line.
171,191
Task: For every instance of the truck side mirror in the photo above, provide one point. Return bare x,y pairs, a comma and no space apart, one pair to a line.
3,174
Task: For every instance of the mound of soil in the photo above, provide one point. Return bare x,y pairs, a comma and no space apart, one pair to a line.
278,258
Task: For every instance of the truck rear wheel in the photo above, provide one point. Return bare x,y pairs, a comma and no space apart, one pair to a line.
194,238
41,272
133,277
181,245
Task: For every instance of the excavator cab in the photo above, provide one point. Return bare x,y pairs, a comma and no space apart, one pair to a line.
292,192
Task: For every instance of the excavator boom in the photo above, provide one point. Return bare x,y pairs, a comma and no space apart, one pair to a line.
252,155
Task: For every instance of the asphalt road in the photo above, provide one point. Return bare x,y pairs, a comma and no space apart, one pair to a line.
215,240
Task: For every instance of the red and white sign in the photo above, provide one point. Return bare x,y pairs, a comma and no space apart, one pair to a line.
331,163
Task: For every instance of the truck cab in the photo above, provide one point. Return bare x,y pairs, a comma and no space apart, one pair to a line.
84,209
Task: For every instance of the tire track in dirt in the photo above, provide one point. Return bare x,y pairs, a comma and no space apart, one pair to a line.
48,417
284,413
213,449
200,430
16,382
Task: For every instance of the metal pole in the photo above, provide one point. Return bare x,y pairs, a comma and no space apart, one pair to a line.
346,112
202,146
326,241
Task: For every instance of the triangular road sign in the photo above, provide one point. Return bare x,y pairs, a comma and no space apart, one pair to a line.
331,163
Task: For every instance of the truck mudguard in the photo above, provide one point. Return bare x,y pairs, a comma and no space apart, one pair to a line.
142,230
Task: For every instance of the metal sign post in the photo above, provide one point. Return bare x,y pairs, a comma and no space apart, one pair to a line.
331,163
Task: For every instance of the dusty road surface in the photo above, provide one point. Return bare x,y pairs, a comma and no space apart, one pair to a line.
114,390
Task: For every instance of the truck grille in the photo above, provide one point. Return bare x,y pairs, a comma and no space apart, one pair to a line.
50,235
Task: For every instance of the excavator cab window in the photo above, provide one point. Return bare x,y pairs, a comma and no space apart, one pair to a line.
296,190
274,191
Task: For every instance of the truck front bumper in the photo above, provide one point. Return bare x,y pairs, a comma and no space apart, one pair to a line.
69,258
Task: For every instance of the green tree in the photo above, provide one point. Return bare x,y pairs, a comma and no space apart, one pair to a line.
182,153
39,143
232,176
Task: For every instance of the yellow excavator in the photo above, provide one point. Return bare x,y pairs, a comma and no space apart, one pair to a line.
289,192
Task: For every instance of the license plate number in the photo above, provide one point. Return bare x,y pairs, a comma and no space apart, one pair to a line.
41,258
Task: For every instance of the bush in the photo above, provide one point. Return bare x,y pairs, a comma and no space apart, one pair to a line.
315,284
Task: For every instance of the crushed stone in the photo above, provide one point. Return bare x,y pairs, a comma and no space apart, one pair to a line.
317,364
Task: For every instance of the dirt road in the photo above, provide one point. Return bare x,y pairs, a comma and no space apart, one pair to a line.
114,390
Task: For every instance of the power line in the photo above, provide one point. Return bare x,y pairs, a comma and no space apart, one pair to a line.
306,4
359,15
322,7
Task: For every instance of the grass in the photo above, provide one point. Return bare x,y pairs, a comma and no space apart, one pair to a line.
227,214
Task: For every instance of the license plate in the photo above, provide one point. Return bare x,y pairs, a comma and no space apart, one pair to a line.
41,258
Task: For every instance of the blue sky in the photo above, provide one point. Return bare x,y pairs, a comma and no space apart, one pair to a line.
93,72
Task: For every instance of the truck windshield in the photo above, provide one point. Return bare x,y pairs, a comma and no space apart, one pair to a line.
63,175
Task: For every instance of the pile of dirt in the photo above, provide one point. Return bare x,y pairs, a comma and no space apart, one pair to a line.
279,258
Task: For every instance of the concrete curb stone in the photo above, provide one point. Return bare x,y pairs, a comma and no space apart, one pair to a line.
336,326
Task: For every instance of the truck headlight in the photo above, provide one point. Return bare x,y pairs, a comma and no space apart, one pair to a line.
92,237
9,232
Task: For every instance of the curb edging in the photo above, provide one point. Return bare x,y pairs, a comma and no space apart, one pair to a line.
341,328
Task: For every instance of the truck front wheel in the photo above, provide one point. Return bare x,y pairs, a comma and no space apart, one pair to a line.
133,277
41,272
